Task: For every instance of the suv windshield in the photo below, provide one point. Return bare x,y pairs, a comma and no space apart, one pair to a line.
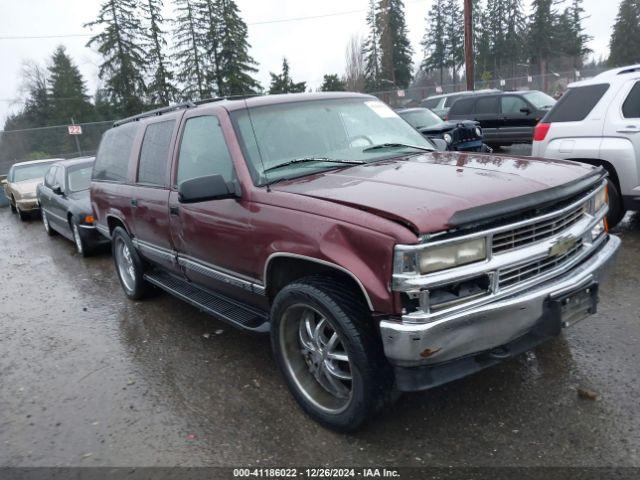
337,129
30,172
421,118
79,178
539,100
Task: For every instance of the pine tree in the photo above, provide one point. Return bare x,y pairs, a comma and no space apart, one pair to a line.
209,13
482,41
371,50
124,60
541,33
434,43
625,39
283,82
161,90
578,46
454,37
236,64
514,37
190,56
67,90
332,83
395,48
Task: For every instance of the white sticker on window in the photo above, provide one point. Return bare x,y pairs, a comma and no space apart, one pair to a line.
382,110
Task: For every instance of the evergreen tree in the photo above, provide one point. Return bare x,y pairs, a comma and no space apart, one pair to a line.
514,37
283,83
332,83
190,51
67,90
161,90
541,35
625,39
124,60
395,48
371,50
482,41
454,37
209,13
434,44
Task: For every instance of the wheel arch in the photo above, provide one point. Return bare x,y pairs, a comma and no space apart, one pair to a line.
597,162
282,268
114,221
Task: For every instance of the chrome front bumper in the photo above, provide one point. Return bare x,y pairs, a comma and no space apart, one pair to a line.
28,204
490,325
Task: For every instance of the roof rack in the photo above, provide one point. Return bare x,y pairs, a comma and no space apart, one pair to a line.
153,113
633,69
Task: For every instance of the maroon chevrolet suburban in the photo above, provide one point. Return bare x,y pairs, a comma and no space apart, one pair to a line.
377,264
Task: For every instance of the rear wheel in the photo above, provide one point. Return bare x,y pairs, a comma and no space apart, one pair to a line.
129,265
328,351
616,207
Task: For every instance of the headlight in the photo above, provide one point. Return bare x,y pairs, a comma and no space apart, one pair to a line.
478,131
600,199
447,138
433,259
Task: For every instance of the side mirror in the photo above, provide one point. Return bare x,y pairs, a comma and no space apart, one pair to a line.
525,110
441,145
211,187
56,189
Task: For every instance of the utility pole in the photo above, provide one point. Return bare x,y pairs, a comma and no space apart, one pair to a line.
468,44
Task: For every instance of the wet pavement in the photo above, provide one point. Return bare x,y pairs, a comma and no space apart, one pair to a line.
90,378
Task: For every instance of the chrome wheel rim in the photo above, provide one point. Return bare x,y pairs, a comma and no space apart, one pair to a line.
316,359
45,221
125,265
76,237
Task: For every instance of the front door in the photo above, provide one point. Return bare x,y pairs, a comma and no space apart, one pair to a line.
213,238
150,197
519,119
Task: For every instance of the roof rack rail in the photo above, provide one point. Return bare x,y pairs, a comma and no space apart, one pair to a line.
153,113
635,68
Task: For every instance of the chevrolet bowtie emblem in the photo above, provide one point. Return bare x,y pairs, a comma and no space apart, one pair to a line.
562,246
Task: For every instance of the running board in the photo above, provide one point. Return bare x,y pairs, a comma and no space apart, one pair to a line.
220,306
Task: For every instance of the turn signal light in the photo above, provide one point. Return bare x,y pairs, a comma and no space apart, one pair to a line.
540,132
89,219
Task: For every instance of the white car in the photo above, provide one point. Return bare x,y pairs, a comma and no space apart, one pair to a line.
597,121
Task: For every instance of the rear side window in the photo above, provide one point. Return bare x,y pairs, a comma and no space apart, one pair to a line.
576,103
487,105
431,102
112,161
631,106
462,106
154,153
203,150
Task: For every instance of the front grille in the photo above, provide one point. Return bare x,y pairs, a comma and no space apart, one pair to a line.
463,134
534,232
511,276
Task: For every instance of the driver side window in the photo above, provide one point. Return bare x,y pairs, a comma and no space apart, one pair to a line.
512,105
203,150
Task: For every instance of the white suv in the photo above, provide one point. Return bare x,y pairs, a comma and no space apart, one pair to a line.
597,121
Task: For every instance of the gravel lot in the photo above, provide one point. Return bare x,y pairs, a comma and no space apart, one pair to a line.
90,378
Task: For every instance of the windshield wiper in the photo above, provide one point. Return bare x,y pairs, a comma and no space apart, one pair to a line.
313,159
396,145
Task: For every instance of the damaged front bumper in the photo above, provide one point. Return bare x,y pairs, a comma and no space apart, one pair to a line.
428,354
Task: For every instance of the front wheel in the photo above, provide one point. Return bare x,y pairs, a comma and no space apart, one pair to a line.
13,205
47,225
81,244
616,207
327,348
24,216
129,265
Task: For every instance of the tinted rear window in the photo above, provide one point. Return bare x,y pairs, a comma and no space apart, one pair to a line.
462,106
487,105
631,106
430,102
112,161
576,103
154,153
451,100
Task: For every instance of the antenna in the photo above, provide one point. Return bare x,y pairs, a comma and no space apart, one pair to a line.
253,130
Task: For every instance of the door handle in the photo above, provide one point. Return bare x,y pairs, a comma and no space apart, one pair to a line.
134,202
629,129
174,210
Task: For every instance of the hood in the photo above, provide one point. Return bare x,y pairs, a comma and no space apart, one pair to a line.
448,126
27,186
425,191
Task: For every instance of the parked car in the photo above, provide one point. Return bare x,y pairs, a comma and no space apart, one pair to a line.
460,136
440,104
506,117
20,185
375,263
597,121
65,204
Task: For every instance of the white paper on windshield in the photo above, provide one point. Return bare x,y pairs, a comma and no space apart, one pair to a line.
382,110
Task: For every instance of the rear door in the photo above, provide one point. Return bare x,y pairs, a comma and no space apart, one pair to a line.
213,238
518,119
150,195
487,112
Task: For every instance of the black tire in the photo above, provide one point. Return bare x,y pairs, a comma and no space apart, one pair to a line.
12,202
134,286
24,216
616,207
47,226
83,247
371,386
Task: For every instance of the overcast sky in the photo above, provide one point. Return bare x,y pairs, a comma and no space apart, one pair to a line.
313,46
